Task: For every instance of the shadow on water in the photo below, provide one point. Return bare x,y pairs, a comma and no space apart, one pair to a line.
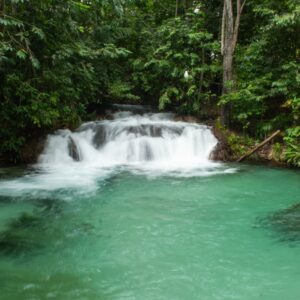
285,224
26,233
58,285
5,199
18,238
31,232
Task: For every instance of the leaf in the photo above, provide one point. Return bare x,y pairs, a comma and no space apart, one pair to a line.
22,54
11,22
39,32
35,62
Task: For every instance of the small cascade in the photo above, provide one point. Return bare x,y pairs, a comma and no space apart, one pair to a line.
151,144
128,139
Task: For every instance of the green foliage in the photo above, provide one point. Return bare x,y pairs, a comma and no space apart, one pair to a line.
122,92
292,140
240,144
59,60
277,151
55,58
267,91
180,65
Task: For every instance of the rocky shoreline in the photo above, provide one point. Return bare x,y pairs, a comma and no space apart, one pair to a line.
232,145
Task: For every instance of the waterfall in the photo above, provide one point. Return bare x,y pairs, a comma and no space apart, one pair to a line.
153,140
151,144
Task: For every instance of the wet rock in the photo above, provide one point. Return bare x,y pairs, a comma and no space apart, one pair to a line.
269,155
32,149
222,151
100,136
86,126
155,131
73,149
137,130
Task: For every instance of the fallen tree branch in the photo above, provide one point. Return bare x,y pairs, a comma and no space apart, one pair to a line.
259,146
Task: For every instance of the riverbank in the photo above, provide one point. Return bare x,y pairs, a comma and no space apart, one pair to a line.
233,145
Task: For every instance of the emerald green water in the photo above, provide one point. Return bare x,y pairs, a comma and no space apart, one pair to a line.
135,236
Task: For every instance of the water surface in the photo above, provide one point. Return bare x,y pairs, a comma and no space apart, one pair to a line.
130,234
132,208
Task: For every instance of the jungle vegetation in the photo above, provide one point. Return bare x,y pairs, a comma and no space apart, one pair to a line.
235,61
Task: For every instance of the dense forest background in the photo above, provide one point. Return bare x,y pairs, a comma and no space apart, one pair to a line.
63,60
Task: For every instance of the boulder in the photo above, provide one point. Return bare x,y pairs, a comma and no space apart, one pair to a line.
73,149
222,151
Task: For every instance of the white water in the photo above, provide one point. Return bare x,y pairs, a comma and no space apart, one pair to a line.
152,139
152,144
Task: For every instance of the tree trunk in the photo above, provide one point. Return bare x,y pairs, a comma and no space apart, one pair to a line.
230,29
259,146
185,4
2,8
176,8
227,85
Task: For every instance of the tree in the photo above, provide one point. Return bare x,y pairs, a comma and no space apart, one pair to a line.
54,76
49,72
229,36
179,66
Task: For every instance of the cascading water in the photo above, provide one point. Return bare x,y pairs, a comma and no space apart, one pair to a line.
150,140
153,144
